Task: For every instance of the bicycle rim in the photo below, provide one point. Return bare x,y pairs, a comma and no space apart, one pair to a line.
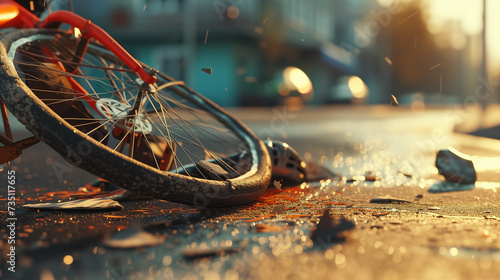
164,140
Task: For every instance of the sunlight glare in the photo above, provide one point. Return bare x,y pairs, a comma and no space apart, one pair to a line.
457,22
443,15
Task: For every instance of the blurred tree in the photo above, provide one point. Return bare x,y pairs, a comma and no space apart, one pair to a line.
416,62
413,53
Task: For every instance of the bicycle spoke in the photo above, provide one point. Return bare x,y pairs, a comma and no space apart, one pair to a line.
146,127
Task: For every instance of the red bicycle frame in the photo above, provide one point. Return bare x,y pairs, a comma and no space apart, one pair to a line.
14,15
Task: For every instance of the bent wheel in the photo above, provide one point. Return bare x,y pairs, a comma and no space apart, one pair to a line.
163,140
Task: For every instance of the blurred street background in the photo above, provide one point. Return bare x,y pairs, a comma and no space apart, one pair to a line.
321,75
298,53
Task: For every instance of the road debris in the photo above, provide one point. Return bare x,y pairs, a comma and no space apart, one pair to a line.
199,253
406,174
207,70
371,176
388,199
330,230
394,101
80,204
455,166
277,185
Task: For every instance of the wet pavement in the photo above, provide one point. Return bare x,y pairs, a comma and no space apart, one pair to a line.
374,152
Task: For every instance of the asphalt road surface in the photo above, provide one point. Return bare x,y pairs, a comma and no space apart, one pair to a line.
368,151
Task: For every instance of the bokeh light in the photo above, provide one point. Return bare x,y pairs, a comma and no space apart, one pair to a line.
296,79
68,259
357,87
233,12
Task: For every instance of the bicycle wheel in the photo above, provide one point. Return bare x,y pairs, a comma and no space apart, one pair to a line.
163,140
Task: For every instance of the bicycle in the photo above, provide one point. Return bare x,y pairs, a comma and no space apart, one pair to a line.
80,92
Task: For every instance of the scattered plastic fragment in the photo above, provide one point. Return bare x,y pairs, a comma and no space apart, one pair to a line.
455,166
331,230
80,204
133,238
445,186
433,208
394,101
207,70
277,185
388,199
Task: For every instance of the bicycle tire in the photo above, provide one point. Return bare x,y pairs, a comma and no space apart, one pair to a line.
121,169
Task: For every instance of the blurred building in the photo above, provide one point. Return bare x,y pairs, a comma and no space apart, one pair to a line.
248,44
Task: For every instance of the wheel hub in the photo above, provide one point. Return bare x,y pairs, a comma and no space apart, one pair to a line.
114,109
